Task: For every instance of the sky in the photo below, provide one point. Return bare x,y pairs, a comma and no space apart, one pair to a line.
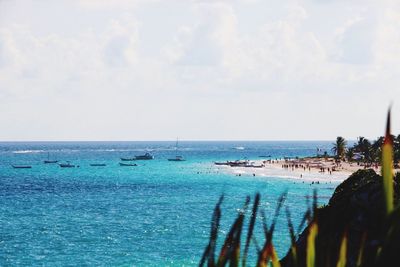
198,69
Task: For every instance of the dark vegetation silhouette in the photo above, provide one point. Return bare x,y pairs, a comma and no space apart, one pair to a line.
360,226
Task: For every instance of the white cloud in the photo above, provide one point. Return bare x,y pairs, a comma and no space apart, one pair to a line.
221,69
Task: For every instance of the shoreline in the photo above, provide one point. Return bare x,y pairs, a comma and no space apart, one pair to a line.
304,169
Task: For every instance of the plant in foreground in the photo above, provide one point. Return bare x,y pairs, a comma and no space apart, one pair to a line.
382,248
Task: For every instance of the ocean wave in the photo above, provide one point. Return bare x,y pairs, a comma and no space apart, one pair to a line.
28,151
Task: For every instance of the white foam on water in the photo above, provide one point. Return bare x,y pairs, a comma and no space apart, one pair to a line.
28,151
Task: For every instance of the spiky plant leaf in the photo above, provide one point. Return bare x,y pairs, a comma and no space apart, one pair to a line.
361,251
342,252
251,227
210,250
230,250
268,254
387,167
312,234
274,257
293,249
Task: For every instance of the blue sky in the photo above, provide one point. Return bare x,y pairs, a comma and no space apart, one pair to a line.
200,70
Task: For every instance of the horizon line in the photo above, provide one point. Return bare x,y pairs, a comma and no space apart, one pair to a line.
174,140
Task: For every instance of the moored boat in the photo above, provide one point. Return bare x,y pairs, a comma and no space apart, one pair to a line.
98,164
66,165
21,166
127,164
49,161
238,163
146,156
221,163
254,166
128,159
177,158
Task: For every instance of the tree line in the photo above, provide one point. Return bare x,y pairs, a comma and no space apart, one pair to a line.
364,150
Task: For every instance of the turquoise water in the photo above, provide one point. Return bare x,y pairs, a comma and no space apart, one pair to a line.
155,214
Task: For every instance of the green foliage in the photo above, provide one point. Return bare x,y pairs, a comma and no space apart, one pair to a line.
357,209
339,147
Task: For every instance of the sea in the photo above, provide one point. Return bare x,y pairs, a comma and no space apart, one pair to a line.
155,214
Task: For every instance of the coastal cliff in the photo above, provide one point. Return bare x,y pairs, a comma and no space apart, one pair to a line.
357,209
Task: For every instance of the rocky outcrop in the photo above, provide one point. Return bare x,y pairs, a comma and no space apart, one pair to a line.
356,208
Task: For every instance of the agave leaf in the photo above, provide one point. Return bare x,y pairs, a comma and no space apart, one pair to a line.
210,249
281,200
204,257
231,247
264,223
256,244
293,248
306,217
387,167
226,249
312,234
361,251
268,252
315,202
342,252
274,257
251,227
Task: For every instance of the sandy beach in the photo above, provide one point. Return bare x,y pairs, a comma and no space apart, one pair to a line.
306,169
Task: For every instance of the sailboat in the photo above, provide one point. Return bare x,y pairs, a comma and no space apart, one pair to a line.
48,159
177,157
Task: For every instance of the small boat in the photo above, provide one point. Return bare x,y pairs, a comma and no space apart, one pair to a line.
66,165
253,166
127,164
21,166
49,160
98,164
265,156
128,159
221,163
238,163
177,157
146,156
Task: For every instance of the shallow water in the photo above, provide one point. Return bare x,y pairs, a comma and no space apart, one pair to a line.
157,213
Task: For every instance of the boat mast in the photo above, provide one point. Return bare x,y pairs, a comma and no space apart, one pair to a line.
176,147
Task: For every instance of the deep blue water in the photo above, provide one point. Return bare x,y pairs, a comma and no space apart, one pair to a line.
155,214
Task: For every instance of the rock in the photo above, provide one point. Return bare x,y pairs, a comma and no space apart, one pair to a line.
357,208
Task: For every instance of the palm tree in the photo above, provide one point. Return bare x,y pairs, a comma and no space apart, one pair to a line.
396,152
376,149
350,154
339,147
